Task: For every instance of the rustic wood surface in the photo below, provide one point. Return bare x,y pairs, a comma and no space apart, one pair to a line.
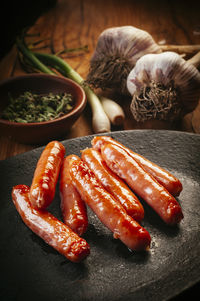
75,23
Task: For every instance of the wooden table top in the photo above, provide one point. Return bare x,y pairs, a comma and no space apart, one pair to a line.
73,24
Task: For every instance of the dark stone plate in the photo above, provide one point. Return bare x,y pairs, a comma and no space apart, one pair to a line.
32,270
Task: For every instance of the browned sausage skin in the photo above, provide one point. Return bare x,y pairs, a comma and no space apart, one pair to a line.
49,228
142,183
73,208
169,181
113,184
109,211
46,174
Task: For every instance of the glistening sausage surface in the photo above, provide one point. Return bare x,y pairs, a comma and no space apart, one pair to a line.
113,184
109,211
142,183
49,228
169,181
73,208
46,174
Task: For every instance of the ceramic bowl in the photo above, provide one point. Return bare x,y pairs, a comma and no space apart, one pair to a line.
40,132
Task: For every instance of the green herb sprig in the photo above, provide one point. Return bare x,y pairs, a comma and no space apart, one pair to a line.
29,107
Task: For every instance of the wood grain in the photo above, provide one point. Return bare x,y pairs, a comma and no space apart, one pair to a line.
72,24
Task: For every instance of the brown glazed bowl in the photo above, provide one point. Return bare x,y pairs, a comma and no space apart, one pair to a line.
40,132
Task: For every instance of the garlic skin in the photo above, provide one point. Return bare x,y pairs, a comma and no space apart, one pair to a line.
164,86
117,51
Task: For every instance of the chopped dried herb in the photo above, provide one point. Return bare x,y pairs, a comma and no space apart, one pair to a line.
29,107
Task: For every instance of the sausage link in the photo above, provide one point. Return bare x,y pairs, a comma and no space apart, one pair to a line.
113,184
169,181
46,174
142,183
48,227
73,208
110,212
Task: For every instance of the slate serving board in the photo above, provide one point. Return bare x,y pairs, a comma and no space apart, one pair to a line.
32,270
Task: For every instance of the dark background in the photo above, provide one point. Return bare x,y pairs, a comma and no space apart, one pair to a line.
16,15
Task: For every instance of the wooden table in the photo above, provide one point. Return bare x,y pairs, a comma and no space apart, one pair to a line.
75,23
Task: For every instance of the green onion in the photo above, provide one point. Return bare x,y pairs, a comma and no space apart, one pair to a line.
100,121
32,58
113,110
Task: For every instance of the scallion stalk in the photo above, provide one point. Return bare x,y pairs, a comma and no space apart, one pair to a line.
32,58
100,121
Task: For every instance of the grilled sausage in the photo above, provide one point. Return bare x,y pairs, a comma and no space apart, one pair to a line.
72,206
142,183
169,181
113,184
109,211
49,228
46,174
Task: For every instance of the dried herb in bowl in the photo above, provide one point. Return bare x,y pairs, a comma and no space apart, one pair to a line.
29,107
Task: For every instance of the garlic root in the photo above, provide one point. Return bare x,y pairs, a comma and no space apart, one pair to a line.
156,101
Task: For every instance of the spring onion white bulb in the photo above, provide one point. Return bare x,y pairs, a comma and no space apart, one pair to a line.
113,110
100,121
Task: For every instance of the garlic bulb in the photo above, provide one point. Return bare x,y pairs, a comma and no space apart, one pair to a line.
117,50
164,86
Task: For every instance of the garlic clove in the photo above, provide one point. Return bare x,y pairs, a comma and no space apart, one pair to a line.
117,51
163,86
